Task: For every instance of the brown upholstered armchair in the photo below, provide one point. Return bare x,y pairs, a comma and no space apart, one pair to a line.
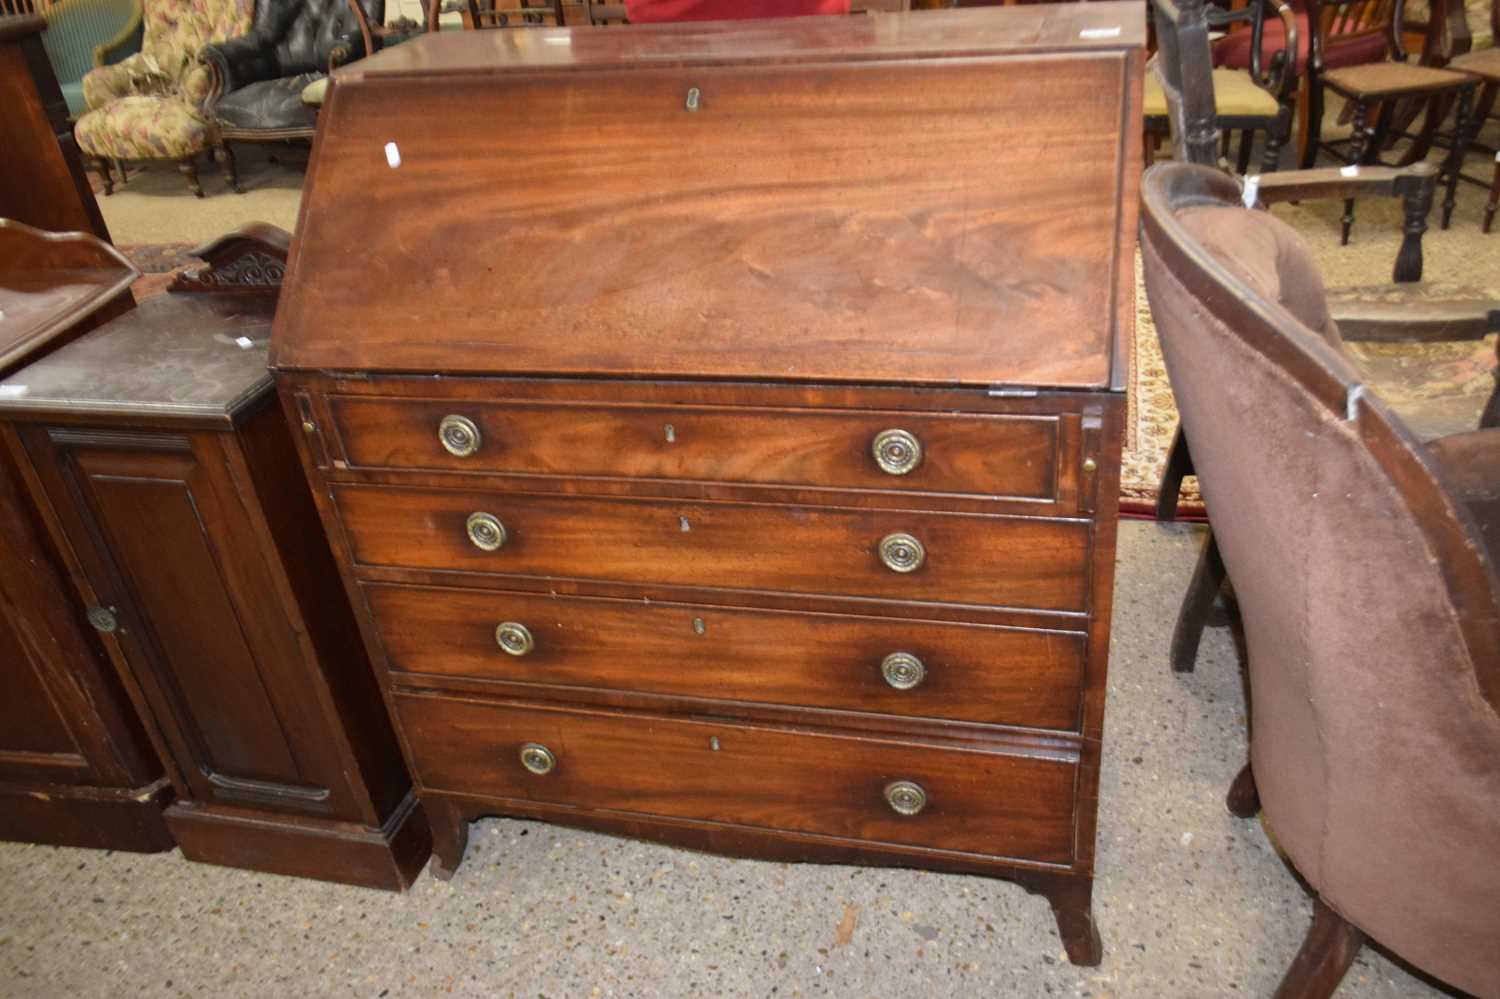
1367,586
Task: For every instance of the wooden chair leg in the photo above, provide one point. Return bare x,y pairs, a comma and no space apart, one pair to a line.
1361,143
1327,951
1276,136
1243,800
190,171
1179,467
1312,121
1197,604
1247,140
225,155
1494,203
1417,193
101,165
1463,133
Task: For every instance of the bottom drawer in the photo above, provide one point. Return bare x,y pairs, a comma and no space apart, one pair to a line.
1002,804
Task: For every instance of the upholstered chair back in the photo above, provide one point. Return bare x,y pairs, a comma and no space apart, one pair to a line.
297,36
1368,595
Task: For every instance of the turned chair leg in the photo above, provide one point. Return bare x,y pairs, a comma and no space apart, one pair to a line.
1312,123
101,164
1362,138
1330,947
1243,800
225,155
1463,133
190,171
1276,136
1179,466
1197,604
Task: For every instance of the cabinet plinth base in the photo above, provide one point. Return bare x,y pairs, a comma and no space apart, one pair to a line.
128,819
389,858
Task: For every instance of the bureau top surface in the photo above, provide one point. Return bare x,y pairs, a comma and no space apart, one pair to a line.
190,355
942,197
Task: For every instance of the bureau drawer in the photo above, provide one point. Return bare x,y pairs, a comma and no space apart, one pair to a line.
975,559
1013,457
966,672
984,802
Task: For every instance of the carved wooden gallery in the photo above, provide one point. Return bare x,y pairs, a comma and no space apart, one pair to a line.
692,422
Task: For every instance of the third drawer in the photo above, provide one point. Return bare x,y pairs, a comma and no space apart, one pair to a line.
986,674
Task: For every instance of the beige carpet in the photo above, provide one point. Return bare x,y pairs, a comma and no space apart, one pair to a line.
155,206
1461,255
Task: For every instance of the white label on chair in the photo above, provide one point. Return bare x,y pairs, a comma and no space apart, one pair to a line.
1252,188
1099,33
392,155
1352,170
244,342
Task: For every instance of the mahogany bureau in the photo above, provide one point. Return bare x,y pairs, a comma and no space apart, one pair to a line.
718,426
156,457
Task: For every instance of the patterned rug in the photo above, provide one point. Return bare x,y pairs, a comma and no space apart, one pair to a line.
1458,257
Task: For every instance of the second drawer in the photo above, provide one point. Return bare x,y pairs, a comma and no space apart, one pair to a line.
965,672
975,559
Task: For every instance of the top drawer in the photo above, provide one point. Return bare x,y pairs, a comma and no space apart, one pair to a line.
999,456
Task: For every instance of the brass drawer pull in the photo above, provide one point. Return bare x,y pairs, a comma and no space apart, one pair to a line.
897,451
537,758
459,435
902,670
905,797
902,553
486,531
514,638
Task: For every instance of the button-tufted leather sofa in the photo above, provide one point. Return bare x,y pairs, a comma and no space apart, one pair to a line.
258,79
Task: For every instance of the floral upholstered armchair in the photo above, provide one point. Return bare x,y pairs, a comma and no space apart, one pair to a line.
151,106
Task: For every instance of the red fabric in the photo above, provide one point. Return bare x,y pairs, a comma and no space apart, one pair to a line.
1233,50
657,11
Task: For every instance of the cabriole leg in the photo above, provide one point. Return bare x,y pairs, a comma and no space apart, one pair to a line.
190,171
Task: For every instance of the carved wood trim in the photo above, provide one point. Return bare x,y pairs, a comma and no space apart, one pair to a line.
250,259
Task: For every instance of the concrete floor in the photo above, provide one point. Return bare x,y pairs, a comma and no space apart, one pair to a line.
1191,902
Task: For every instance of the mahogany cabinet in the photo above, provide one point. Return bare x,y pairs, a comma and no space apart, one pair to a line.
718,425
156,453
76,767
42,182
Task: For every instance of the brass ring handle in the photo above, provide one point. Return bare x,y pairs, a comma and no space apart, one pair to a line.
537,758
459,435
902,552
905,797
896,451
902,670
514,637
485,531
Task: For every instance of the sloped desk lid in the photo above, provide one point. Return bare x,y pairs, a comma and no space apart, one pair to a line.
737,200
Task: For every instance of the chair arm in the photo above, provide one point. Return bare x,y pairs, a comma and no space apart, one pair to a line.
1417,322
1469,466
345,49
238,63
126,43
1415,185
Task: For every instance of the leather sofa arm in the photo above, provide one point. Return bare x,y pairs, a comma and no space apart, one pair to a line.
345,49
238,63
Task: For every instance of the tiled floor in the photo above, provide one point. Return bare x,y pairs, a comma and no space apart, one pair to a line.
1191,902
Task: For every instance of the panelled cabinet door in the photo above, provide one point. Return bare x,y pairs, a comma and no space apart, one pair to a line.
184,595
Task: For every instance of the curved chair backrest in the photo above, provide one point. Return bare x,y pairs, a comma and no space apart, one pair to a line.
76,29
1370,604
299,34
